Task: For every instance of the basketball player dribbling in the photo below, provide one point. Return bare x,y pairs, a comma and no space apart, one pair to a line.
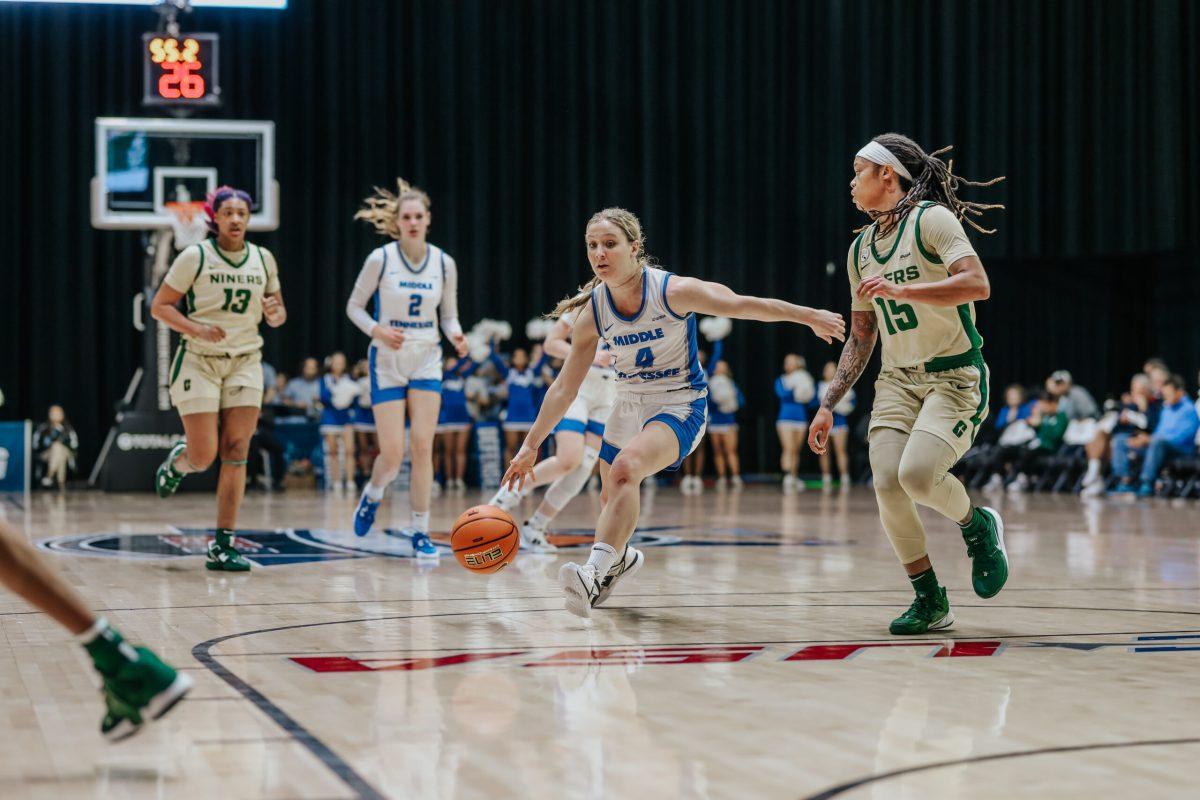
646,316
914,278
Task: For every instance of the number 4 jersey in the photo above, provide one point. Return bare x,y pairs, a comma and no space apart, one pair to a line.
656,349
226,290
917,335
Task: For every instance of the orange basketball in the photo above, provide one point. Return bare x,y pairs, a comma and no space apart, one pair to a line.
485,539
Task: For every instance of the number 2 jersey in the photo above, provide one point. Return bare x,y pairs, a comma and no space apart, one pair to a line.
917,335
226,290
656,349
407,296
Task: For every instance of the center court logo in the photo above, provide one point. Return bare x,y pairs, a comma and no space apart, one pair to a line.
306,545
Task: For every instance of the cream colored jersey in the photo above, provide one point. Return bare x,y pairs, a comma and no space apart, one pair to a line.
917,335
226,290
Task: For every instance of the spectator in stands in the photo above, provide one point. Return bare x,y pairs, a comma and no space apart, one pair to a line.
485,393
1012,435
1132,422
1050,424
304,391
1175,435
1157,370
55,444
1074,401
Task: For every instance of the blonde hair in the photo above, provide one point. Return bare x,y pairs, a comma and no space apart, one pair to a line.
382,209
631,227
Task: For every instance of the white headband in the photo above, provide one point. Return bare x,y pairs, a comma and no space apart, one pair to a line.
878,154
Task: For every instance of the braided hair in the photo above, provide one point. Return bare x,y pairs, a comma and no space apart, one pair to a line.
933,179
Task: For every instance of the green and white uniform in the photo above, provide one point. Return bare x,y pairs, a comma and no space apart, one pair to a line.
934,378
226,290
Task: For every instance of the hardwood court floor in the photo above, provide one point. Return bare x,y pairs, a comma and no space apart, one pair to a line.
740,663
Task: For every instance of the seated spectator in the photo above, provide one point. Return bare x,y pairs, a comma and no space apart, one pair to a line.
1133,420
1074,401
1157,370
1174,435
55,444
1049,422
304,391
1011,434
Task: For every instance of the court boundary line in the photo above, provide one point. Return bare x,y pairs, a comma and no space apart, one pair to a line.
842,788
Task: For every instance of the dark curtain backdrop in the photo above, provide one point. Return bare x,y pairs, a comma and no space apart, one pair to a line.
728,126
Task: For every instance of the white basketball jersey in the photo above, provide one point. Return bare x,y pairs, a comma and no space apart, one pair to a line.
656,349
598,379
408,294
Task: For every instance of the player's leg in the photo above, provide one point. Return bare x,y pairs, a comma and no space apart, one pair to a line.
930,609
195,391
581,452
137,685
952,410
237,427
459,449
653,449
389,427
841,441
329,447
568,453
347,460
732,458
423,407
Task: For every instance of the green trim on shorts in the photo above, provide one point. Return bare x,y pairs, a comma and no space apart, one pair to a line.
981,409
971,358
178,362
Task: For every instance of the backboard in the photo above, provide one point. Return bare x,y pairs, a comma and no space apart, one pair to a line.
143,164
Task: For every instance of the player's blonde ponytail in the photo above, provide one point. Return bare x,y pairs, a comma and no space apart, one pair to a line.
382,209
631,227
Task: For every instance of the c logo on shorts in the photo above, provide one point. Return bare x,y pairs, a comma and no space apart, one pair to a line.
187,384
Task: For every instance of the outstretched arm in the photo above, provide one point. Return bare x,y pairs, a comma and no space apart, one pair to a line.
855,355
559,397
686,295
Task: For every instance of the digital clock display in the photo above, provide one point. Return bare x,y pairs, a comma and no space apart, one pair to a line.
180,70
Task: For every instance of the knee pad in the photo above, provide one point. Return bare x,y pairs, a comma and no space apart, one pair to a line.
571,484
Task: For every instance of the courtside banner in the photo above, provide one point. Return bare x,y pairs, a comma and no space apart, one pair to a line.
15,456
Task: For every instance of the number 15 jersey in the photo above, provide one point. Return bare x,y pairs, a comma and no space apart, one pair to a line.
226,290
917,335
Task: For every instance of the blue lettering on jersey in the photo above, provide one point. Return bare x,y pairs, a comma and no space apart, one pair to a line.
639,337
415,285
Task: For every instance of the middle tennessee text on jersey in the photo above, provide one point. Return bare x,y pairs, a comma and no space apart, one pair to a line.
655,349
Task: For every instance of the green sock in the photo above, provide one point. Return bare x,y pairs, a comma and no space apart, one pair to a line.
976,523
924,583
107,648
225,537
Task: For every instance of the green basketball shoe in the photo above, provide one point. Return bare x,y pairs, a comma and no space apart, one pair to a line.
167,478
225,557
984,536
140,690
928,612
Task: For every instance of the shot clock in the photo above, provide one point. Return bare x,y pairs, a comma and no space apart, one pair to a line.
180,70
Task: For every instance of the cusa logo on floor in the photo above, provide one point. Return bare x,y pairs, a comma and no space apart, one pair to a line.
305,545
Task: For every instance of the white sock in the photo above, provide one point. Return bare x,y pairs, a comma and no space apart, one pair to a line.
1093,470
89,636
420,521
602,558
372,492
539,520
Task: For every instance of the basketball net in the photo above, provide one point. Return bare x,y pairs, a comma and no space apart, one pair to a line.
188,223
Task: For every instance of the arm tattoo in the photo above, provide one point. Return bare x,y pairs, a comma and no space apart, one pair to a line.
855,355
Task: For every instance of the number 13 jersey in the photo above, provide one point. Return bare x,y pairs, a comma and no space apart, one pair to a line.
656,349
226,290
